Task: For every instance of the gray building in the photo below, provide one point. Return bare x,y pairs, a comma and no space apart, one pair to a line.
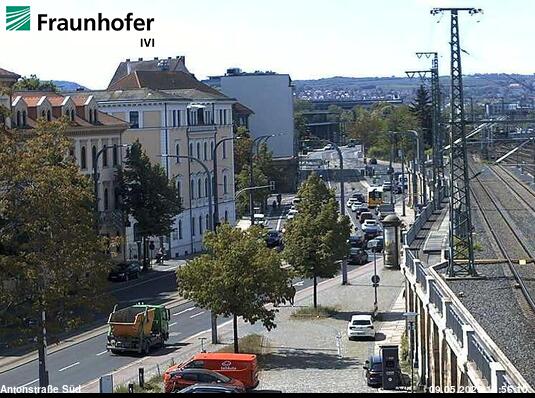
270,96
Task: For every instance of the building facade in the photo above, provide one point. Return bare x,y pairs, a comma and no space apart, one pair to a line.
270,96
172,113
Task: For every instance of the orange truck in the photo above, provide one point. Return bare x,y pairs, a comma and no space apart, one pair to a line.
242,367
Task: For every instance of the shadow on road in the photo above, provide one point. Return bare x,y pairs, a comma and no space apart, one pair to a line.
299,358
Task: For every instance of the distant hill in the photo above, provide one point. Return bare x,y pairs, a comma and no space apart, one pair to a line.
68,86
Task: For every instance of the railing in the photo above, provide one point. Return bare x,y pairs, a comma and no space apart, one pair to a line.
419,222
410,257
481,357
435,297
455,323
421,276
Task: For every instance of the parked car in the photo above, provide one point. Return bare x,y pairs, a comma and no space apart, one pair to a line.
183,378
364,216
361,326
291,214
329,147
356,241
363,208
371,229
384,210
359,197
356,206
352,201
357,257
242,367
273,239
210,388
376,245
374,371
125,271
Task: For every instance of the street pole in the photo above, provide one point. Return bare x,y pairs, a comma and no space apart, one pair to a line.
215,188
43,373
211,226
411,325
95,181
251,177
403,181
345,280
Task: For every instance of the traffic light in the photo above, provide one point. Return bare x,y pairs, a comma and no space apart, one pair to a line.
272,186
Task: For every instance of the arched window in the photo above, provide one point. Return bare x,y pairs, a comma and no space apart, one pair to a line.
225,184
106,200
48,116
180,229
212,150
205,151
199,192
200,225
224,149
83,159
19,121
192,185
177,149
94,156
115,155
198,150
206,186
179,189
191,149
24,118
192,227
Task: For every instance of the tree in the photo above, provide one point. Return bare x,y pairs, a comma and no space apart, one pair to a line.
237,277
422,109
33,83
50,257
316,239
148,195
242,149
242,182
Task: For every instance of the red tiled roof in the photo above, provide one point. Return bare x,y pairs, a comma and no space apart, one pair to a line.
8,74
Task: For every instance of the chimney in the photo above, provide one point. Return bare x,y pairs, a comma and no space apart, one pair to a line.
156,58
140,59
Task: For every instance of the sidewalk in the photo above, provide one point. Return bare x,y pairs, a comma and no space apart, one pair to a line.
301,353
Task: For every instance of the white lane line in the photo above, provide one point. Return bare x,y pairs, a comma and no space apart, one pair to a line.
279,223
196,315
31,382
102,353
68,367
173,324
183,312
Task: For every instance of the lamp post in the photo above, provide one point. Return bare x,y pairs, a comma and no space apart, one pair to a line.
210,222
251,176
215,190
411,320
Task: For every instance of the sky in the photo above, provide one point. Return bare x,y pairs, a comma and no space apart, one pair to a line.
308,39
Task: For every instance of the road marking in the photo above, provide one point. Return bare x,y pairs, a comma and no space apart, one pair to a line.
173,324
196,315
68,367
31,382
102,353
183,312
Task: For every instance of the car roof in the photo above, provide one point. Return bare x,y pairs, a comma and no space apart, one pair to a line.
362,318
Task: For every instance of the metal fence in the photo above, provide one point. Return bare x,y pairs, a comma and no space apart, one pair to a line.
481,357
419,222
455,323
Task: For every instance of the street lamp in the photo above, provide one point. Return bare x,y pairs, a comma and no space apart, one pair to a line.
411,319
96,177
210,218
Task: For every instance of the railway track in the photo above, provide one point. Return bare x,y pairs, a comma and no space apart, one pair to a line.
524,194
508,240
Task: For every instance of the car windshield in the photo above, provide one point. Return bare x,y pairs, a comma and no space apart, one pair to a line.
377,367
361,323
223,378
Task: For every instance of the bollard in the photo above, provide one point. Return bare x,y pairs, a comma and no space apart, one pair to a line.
158,369
141,377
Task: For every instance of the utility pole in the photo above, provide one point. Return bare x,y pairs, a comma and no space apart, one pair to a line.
460,234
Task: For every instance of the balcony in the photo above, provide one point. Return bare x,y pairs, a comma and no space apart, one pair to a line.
202,128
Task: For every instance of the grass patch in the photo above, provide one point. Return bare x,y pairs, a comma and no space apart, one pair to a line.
314,313
152,386
251,344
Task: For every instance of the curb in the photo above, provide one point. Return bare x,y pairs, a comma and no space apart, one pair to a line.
81,338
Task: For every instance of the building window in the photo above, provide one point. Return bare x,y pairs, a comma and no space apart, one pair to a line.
180,229
115,155
177,149
179,189
83,159
43,114
175,234
106,200
95,116
200,225
192,185
200,116
205,151
174,118
105,158
221,116
18,119
226,216
48,116
225,184
207,222
134,119
94,156
192,227
72,115
199,192
198,150
211,150
190,149
206,186
23,118
90,116
224,149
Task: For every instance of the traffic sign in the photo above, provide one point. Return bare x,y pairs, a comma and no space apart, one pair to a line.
376,280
